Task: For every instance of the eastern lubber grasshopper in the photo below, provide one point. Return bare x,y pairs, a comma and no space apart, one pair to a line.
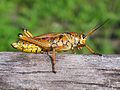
55,42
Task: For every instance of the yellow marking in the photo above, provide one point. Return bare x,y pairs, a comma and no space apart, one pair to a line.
59,43
27,50
25,33
39,50
54,45
34,50
70,38
29,34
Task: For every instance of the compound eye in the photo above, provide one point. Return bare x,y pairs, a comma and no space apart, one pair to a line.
83,35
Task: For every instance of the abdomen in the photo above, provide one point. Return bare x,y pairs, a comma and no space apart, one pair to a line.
27,47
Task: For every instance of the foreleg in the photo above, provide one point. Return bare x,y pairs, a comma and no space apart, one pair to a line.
92,51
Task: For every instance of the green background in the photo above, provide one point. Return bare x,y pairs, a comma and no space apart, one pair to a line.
44,16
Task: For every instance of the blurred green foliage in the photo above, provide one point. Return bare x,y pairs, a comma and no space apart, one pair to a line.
44,16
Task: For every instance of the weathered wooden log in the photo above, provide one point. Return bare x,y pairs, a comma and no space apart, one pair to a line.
24,71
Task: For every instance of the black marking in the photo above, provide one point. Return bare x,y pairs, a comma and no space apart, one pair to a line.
51,48
13,46
97,54
20,34
62,41
67,33
23,28
83,35
23,43
31,50
72,46
36,50
78,43
60,37
22,48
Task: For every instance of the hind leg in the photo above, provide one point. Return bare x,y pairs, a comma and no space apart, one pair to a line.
27,33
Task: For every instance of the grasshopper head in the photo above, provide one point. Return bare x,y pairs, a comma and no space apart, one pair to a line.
82,39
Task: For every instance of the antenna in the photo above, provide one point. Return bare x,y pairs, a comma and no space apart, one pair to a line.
92,31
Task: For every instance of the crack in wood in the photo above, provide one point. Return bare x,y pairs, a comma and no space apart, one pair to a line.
84,83
33,72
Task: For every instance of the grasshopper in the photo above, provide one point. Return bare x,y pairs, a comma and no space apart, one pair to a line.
54,42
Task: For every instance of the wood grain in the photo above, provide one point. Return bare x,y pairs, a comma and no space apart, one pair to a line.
24,71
